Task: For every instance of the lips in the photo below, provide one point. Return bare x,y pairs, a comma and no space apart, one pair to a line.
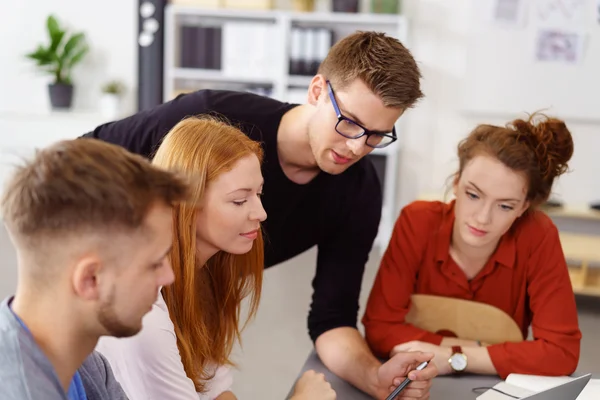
476,232
339,159
250,235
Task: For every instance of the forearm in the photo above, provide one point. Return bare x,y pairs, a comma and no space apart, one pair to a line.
536,357
345,353
479,361
382,338
449,342
226,396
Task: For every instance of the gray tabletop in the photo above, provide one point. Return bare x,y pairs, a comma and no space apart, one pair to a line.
444,387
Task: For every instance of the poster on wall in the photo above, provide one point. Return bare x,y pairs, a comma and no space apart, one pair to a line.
559,46
508,13
560,13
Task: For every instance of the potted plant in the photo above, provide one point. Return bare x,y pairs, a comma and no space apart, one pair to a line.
58,58
110,102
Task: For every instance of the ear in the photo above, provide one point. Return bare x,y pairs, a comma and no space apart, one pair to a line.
316,89
85,277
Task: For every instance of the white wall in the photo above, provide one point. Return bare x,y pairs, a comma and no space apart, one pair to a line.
439,30
438,33
110,27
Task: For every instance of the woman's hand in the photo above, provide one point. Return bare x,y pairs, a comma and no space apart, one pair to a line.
313,386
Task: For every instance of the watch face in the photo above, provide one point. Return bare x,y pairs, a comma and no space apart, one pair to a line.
458,362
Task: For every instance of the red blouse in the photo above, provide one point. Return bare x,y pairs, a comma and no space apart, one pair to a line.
526,277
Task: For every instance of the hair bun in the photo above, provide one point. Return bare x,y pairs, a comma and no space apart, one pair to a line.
551,141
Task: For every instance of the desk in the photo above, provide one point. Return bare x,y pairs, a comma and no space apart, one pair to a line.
444,387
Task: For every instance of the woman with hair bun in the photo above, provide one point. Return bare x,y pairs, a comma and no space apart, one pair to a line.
489,245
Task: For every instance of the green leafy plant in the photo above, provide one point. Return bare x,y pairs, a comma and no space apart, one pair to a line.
113,87
64,52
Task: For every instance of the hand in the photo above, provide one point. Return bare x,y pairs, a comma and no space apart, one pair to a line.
313,386
403,364
441,353
226,396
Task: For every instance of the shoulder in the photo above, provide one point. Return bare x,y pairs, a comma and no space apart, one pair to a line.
11,354
426,213
156,339
16,347
536,223
535,227
95,364
25,372
247,111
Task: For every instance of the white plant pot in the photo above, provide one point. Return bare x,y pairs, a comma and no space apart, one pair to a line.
110,105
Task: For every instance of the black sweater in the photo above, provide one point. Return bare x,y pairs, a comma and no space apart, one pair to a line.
338,213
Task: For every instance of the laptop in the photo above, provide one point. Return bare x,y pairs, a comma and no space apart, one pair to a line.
565,391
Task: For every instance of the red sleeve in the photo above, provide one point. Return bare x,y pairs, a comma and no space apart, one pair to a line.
555,348
389,299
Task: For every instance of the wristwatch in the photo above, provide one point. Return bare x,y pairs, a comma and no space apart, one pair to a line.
458,360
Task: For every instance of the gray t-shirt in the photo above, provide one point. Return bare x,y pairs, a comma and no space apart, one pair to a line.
27,374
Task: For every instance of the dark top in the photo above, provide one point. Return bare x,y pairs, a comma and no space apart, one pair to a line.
338,213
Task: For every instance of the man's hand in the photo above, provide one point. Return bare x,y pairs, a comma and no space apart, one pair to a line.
313,386
402,365
442,353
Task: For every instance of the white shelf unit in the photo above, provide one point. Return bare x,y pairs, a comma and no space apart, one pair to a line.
281,82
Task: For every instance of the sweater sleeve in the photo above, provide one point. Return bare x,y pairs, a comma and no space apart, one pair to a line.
142,133
555,347
389,300
342,256
98,379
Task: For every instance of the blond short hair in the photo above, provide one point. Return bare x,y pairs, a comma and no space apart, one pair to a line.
381,62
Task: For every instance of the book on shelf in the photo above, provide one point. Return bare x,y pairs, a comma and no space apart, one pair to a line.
199,3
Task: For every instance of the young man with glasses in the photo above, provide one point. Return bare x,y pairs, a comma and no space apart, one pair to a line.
319,187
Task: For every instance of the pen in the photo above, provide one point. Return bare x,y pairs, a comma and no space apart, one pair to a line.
405,383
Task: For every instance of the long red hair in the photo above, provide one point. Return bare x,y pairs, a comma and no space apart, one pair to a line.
204,301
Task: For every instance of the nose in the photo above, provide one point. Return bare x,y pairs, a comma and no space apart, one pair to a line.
167,275
258,212
357,146
484,215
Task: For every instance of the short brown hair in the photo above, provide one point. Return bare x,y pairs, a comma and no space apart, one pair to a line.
381,62
84,185
539,147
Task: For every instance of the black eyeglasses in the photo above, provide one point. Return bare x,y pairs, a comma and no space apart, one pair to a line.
353,130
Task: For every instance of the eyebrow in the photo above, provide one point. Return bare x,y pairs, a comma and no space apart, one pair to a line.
355,119
245,189
167,252
482,192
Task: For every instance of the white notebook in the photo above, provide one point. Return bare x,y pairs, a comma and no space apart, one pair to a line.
524,385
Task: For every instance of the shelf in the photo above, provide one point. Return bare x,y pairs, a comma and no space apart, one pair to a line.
217,76
224,13
348,18
272,16
50,115
579,212
299,80
582,253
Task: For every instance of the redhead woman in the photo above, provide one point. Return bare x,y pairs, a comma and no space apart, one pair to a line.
183,350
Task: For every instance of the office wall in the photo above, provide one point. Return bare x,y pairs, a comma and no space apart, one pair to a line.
110,26
439,39
439,34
